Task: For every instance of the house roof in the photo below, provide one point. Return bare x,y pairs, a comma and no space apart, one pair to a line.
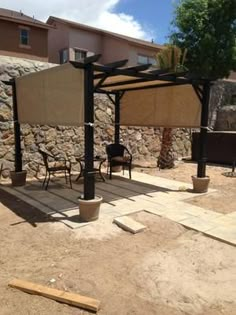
19,17
136,41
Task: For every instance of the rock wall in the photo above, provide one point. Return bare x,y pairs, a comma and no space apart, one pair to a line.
144,143
223,106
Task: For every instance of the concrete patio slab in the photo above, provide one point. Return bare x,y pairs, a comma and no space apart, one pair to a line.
227,234
121,196
198,223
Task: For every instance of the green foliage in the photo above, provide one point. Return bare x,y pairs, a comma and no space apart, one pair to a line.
172,58
207,29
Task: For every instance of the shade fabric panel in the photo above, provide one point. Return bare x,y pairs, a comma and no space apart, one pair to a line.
173,106
52,97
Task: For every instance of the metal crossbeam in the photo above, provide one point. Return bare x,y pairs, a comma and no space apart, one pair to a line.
135,81
140,67
159,71
83,62
117,64
150,86
130,71
198,91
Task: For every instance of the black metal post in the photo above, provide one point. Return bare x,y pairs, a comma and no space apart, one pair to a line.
117,118
18,154
201,169
89,177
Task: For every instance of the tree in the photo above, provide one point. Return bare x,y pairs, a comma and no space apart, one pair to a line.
171,58
207,29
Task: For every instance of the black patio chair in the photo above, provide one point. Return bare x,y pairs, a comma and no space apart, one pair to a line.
62,166
118,155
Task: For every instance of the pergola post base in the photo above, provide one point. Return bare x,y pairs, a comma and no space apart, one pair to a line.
200,184
89,209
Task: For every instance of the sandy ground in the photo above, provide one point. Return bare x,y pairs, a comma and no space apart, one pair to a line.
165,270
223,201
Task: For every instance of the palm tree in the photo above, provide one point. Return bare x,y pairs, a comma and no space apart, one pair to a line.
171,58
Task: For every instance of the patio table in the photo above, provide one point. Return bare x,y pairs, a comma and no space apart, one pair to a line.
98,161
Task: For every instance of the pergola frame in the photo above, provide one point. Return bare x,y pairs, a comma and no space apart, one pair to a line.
99,73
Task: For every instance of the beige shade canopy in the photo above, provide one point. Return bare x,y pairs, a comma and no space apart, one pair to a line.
52,97
172,106
56,97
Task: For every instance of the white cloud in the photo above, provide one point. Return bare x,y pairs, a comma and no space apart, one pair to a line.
97,13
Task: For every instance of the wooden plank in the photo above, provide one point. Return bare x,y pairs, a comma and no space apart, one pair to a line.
57,295
129,224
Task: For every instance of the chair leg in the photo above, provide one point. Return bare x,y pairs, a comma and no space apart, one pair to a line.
123,169
233,166
70,179
66,177
46,187
44,179
129,171
110,172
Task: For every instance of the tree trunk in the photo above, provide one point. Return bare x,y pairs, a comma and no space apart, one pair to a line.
166,158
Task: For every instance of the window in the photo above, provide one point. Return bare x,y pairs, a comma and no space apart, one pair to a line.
64,56
152,60
80,54
142,59
24,37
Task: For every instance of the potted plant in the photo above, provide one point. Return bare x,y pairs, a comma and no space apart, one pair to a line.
18,178
200,184
89,209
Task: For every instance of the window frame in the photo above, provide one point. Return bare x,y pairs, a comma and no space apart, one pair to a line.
149,59
79,50
64,59
22,37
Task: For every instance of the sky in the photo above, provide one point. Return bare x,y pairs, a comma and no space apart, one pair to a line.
144,19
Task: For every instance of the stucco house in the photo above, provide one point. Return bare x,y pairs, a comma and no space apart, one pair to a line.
23,36
69,40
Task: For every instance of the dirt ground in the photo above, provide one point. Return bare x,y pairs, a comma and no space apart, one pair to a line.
165,270
223,201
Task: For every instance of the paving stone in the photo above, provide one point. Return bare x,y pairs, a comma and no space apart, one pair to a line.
177,216
157,211
197,223
109,215
225,221
201,212
129,224
227,234
156,195
232,215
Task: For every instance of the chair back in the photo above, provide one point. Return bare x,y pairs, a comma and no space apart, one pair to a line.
45,158
115,149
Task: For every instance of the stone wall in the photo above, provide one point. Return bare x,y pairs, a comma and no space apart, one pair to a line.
222,109
144,143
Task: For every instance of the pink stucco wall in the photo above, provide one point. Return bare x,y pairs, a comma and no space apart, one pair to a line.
58,38
114,49
94,42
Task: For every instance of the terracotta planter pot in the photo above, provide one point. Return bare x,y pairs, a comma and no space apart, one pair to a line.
18,178
89,209
200,184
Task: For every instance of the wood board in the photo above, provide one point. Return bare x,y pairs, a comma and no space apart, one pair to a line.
57,295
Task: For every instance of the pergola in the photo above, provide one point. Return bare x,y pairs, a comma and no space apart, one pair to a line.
142,97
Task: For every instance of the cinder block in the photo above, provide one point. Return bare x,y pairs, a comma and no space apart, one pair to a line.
129,224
